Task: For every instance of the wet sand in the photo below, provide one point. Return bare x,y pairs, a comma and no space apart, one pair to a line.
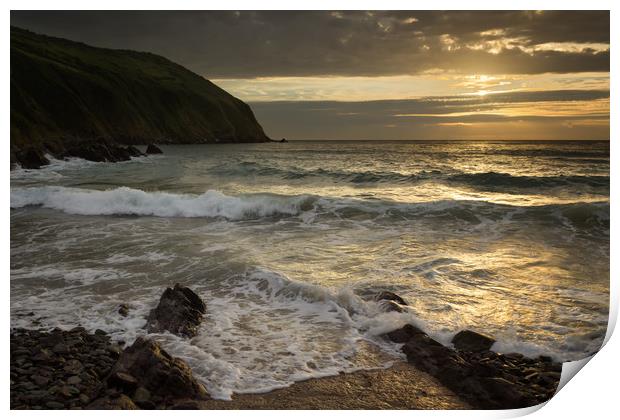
401,387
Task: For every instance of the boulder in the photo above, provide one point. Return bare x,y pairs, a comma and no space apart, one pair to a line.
146,367
119,153
97,152
472,341
123,309
151,149
390,302
122,402
31,159
484,378
179,311
404,334
134,151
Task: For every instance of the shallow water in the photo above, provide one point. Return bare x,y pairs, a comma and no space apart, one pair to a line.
286,242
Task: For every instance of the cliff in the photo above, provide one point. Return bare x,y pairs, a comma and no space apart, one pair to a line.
65,93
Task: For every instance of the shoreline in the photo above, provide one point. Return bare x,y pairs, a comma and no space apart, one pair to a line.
75,369
399,387
40,379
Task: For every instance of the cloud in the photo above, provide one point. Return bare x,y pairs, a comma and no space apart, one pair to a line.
537,114
247,44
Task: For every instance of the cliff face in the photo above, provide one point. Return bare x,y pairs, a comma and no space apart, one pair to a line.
65,92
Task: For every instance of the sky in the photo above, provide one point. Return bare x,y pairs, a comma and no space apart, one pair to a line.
348,75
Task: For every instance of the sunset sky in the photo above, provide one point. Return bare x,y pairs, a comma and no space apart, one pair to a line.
381,75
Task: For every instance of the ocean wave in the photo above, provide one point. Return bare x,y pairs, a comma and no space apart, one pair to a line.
357,310
494,180
215,204
129,201
292,173
502,180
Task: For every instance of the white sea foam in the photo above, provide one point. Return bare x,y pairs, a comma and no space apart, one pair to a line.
128,201
149,256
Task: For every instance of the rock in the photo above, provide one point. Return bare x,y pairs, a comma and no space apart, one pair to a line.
123,309
43,355
141,394
122,402
100,332
31,159
114,350
134,151
390,306
68,391
96,152
186,405
74,380
123,381
40,380
77,330
55,405
158,372
151,149
73,367
179,311
472,341
389,296
60,348
404,334
485,379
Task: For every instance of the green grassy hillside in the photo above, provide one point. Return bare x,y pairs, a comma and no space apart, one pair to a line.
64,91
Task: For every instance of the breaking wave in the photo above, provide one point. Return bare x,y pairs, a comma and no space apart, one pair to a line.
477,180
129,201
592,216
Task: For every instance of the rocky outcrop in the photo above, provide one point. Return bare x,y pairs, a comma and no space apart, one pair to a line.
390,302
484,378
29,158
151,149
472,341
101,152
179,311
63,91
123,310
134,151
148,374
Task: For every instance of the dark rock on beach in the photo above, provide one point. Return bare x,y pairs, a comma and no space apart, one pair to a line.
151,149
485,379
123,309
179,311
145,369
472,341
31,158
134,151
120,402
101,151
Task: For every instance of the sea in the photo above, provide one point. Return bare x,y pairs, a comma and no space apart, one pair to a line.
288,243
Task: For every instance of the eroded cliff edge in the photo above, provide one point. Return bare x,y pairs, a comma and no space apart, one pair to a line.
65,94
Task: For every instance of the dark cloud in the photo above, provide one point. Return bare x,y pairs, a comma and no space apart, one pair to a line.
420,118
249,44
